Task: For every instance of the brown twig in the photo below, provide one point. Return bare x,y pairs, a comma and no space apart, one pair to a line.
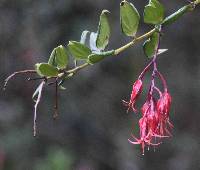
15,74
55,115
37,78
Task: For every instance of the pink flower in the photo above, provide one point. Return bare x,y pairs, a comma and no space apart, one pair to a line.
145,108
154,124
163,108
164,103
145,135
136,90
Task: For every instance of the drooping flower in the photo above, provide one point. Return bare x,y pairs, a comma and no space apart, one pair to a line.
136,90
164,104
145,135
154,124
163,108
148,125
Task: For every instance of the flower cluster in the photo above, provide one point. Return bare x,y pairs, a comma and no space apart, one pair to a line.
154,124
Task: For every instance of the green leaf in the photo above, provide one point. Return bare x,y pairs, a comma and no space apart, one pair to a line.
45,69
59,57
154,12
151,44
52,58
175,16
129,18
79,50
95,58
103,30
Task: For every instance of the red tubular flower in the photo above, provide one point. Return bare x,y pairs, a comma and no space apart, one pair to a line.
163,109
145,108
145,135
148,125
154,122
164,103
137,89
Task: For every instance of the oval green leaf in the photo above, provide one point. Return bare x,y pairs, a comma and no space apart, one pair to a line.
154,12
129,18
45,69
61,57
151,44
95,58
175,16
103,33
52,58
79,50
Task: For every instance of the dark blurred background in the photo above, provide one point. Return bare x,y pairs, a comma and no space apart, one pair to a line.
92,130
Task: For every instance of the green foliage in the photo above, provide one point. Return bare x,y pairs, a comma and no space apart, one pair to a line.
175,16
95,58
150,45
103,33
154,12
59,57
52,58
129,18
79,50
45,69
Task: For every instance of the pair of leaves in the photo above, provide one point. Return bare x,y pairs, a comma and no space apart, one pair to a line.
57,60
154,12
82,52
97,42
129,18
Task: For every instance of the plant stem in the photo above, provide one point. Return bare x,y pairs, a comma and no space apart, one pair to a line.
78,68
135,40
55,115
15,74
